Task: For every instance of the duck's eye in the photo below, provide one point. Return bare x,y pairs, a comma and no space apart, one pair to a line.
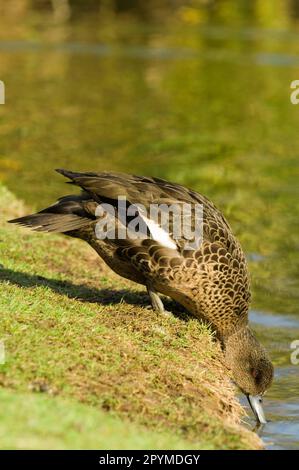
256,374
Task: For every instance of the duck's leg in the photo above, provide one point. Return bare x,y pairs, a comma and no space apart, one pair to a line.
156,302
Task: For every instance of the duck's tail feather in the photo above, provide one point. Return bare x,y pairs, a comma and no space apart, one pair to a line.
73,175
51,222
67,214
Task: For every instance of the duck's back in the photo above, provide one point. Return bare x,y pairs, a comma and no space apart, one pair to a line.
207,274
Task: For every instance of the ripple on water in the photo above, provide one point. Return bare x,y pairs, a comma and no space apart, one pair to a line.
273,320
281,402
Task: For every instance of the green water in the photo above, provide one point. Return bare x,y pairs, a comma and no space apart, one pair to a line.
193,94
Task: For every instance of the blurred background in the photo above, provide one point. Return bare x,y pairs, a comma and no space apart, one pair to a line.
195,91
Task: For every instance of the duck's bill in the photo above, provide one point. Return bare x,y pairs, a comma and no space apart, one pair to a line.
256,404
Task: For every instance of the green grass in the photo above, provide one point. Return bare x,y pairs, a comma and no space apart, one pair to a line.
89,365
29,421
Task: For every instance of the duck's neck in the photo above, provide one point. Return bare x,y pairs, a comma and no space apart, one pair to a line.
241,333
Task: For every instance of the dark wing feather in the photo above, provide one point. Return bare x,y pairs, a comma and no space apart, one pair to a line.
150,190
68,214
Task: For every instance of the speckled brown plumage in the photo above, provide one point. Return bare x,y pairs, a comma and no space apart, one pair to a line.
211,282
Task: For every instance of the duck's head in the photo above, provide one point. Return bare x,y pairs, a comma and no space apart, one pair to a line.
251,368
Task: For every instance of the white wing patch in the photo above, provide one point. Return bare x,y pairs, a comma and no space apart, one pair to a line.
158,233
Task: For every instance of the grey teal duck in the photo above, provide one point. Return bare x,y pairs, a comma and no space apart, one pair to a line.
210,281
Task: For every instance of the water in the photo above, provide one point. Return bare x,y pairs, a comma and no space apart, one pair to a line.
199,95
281,401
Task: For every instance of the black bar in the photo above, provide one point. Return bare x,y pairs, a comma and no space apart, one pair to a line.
136,458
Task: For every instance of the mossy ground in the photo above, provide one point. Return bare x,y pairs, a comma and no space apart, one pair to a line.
90,365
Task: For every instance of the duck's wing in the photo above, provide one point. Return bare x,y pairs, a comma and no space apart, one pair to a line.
136,189
150,191
68,214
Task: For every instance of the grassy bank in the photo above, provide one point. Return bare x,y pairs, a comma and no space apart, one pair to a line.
89,365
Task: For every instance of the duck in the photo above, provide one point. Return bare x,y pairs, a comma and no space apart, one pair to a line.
204,270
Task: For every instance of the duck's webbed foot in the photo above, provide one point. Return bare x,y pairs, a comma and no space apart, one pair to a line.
156,301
